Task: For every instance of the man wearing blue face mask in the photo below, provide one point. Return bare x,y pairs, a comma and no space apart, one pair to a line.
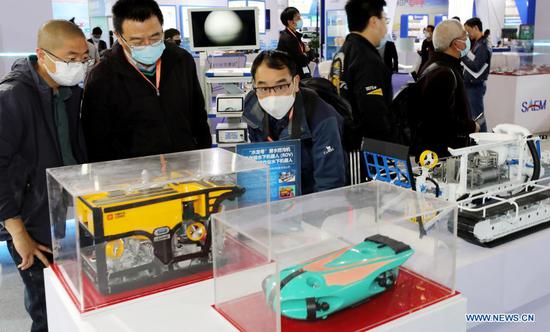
144,98
290,41
39,129
278,109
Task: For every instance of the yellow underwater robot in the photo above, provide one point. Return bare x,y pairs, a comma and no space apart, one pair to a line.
129,237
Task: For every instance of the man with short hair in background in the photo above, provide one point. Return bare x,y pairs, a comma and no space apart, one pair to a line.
39,129
477,64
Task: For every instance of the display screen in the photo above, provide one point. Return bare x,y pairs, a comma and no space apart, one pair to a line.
224,29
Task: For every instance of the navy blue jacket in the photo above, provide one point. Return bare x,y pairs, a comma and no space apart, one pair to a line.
29,145
323,157
483,55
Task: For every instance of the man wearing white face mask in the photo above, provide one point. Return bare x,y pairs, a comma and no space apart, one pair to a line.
39,129
279,109
144,97
442,119
290,41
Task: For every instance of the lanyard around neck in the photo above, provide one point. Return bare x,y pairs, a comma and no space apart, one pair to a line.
157,74
302,47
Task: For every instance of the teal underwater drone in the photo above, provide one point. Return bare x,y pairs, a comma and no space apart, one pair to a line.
330,283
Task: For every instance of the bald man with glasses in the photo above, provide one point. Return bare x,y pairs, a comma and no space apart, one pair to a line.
39,129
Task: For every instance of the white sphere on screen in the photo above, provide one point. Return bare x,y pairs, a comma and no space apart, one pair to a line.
223,27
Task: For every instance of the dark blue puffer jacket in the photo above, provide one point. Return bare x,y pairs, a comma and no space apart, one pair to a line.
323,157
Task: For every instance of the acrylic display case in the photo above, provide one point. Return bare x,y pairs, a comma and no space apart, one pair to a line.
523,58
128,228
348,259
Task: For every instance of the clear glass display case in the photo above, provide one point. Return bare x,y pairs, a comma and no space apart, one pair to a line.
522,58
124,229
342,260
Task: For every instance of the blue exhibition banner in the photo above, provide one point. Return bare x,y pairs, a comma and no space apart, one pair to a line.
283,159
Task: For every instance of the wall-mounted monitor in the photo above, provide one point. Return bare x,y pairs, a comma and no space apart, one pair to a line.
224,29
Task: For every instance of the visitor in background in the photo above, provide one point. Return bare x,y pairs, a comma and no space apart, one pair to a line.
290,41
443,121
427,48
477,64
172,36
99,44
365,80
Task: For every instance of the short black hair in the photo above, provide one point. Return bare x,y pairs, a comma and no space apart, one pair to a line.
171,33
274,59
359,12
97,31
487,33
430,27
456,18
288,15
474,22
135,10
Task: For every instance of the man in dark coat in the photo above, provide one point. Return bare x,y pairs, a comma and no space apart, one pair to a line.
280,110
144,98
99,44
443,119
290,41
39,129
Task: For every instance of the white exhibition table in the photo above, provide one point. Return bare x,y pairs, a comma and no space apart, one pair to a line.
508,96
496,280
507,277
189,308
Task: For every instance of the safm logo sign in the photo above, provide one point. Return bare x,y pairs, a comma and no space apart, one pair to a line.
534,106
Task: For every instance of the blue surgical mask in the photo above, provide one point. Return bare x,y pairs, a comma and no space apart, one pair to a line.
299,24
149,54
465,51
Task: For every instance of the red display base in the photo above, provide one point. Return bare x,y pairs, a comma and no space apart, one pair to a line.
411,293
95,300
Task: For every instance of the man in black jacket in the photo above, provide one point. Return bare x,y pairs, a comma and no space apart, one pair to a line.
365,81
477,64
443,119
290,41
427,48
39,129
144,97
99,44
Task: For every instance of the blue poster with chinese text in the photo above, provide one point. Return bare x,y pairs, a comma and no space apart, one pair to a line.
283,159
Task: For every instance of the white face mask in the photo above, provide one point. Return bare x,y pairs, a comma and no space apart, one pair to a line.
67,74
277,106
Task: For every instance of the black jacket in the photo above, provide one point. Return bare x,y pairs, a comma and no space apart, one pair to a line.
322,155
29,145
366,84
482,55
123,117
390,57
101,46
293,45
443,117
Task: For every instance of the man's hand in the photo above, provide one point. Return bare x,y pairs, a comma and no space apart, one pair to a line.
25,246
307,49
478,127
